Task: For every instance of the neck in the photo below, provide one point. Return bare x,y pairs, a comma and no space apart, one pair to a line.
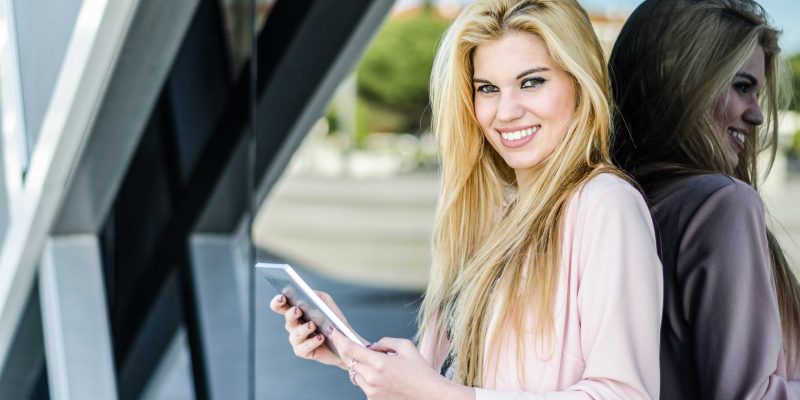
525,178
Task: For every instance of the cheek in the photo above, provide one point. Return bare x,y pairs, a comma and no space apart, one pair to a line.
558,100
561,109
484,113
724,108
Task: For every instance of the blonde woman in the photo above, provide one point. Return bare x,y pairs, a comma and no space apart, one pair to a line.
697,84
545,280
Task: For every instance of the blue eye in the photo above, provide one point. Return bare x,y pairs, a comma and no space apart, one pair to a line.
488,89
532,82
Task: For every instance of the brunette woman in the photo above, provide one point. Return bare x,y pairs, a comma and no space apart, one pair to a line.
697,85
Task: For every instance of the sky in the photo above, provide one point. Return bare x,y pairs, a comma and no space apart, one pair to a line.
785,15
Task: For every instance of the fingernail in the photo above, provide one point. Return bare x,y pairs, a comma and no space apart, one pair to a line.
330,330
310,326
281,299
369,345
319,337
296,311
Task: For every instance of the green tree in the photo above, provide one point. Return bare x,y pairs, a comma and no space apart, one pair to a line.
395,70
794,61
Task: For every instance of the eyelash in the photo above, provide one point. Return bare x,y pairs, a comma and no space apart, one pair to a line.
526,84
742,87
534,82
486,89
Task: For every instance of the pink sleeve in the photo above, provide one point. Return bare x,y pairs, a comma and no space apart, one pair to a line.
794,389
619,298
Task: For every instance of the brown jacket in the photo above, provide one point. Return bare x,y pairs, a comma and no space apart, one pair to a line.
720,333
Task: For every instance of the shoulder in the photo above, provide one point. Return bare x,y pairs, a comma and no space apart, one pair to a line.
608,231
727,191
604,198
724,207
724,194
606,190
718,187
705,182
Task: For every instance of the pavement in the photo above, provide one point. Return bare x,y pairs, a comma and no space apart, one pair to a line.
373,231
783,217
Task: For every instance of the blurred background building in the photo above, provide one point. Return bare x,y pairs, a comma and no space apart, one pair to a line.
153,151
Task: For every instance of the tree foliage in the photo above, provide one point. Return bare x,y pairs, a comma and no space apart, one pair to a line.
794,61
395,70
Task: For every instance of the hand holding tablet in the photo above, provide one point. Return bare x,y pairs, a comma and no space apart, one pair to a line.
298,294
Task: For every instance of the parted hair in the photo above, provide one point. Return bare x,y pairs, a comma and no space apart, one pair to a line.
487,255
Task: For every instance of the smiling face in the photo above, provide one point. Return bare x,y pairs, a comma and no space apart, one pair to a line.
523,103
736,111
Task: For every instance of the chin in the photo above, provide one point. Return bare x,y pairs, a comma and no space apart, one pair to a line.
520,164
523,162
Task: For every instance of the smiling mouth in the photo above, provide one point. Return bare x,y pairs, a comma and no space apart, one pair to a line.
520,134
739,137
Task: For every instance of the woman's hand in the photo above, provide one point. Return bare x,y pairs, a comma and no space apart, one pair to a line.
393,369
305,342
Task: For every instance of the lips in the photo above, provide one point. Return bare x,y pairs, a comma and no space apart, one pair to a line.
517,137
738,137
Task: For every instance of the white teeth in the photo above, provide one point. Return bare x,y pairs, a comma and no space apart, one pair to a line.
519,134
737,135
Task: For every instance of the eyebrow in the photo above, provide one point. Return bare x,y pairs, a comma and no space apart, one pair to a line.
532,70
751,78
527,72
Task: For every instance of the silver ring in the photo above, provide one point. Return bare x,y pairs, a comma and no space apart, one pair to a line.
352,372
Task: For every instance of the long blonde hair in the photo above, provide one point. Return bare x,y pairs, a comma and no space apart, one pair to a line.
670,62
480,249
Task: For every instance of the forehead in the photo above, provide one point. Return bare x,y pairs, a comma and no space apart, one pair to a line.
755,65
509,54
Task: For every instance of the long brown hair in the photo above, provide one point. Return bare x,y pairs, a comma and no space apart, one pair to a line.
478,250
670,62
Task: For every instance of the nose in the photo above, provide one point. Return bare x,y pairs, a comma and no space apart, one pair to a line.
752,115
509,108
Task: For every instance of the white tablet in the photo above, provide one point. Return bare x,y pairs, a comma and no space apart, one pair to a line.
288,283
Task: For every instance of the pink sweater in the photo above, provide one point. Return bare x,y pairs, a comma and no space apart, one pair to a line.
607,309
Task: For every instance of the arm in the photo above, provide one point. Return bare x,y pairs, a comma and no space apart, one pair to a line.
729,299
619,299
